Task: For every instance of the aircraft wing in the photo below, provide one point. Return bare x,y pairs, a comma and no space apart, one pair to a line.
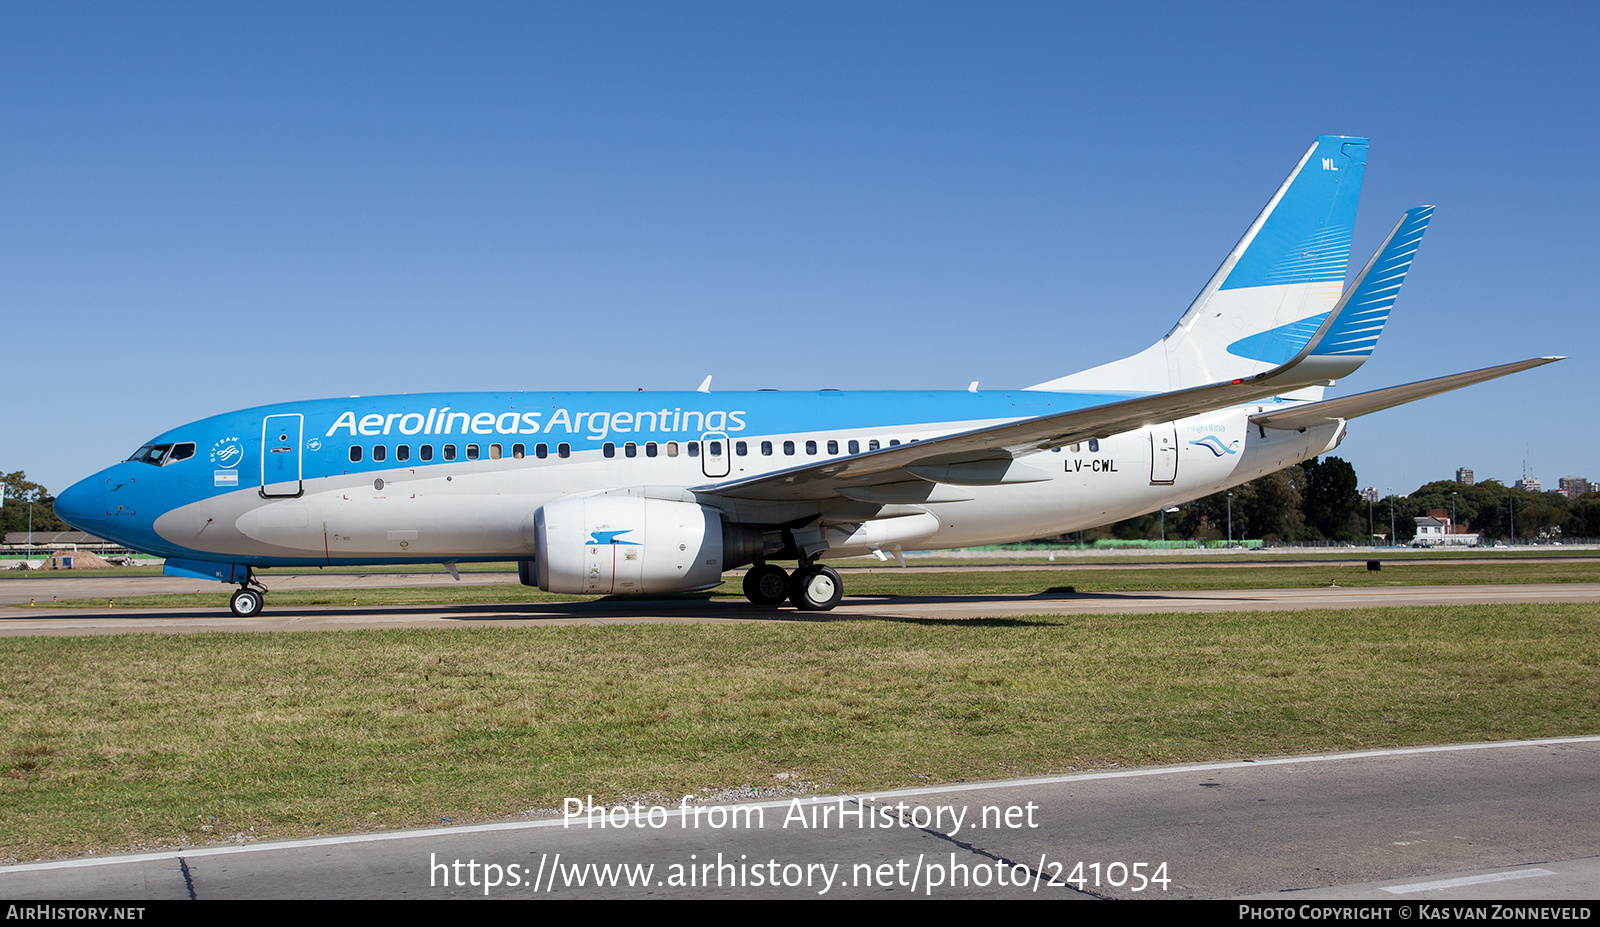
987,456
1348,407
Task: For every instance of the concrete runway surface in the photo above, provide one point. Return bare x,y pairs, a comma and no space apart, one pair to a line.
1509,821
18,621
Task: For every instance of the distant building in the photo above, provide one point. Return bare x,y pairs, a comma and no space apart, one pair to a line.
1437,530
1370,494
1572,486
1530,483
1464,476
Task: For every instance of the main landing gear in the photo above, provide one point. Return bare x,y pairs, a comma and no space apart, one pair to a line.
249,600
812,588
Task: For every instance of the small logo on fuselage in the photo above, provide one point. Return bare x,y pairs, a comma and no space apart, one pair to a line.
1214,444
610,537
227,453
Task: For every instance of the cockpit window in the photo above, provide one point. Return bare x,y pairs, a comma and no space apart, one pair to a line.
162,454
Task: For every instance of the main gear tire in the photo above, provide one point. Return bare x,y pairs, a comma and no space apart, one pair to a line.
766,584
816,589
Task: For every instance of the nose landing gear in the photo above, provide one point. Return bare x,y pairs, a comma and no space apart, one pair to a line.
250,599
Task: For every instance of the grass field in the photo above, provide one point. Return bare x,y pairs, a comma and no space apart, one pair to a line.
135,741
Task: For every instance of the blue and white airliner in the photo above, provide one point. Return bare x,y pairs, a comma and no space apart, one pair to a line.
611,493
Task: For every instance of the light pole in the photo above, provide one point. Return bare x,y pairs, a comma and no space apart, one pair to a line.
1452,514
1230,521
1164,512
1391,518
1372,527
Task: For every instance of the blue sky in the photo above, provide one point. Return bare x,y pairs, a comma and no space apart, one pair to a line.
210,206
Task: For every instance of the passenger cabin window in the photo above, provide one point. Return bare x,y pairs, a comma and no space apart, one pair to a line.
741,448
355,453
494,452
379,452
766,449
833,447
672,448
472,452
872,445
425,452
855,446
811,448
693,448
541,451
630,450
518,451
894,442
563,450
449,452
1094,445
402,452
608,449
650,449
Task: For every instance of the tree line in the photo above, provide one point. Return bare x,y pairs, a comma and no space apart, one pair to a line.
19,493
1318,500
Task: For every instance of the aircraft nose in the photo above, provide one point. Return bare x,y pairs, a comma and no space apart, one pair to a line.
82,504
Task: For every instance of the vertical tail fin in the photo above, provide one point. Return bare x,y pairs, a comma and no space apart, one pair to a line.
1284,275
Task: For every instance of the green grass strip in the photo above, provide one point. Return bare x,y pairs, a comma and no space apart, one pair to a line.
114,743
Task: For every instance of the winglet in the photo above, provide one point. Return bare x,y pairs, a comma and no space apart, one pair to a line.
1361,313
1345,339
705,385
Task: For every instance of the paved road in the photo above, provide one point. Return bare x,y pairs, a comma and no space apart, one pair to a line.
1505,821
17,622
81,584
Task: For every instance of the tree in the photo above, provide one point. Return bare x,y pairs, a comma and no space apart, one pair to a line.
19,493
1331,505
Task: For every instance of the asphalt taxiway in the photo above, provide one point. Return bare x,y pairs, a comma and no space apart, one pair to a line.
17,621
1415,825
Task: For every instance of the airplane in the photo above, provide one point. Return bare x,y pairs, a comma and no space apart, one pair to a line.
613,493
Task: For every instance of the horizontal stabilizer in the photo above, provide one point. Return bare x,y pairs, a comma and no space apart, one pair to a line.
1348,407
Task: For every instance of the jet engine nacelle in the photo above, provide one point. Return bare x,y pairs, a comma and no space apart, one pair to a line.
604,545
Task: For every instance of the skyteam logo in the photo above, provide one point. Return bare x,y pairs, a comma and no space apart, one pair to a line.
610,537
1214,444
227,453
